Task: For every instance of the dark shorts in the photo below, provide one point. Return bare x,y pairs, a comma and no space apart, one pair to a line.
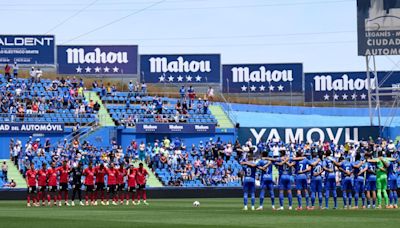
42,188
111,188
77,186
142,187
63,186
100,186
89,188
121,187
53,189
132,189
31,189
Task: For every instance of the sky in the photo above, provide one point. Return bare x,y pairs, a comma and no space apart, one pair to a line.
321,34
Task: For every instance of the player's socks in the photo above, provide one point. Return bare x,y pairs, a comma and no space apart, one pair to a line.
312,199
363,199
320,199
307,199
272,195
299,200
356,197
262,195
28,199
386,198
326,198
144,195
344,199
391,198
48,198
253,198
349,197
245,198
290,199
281,199
395,198
379,197
334,199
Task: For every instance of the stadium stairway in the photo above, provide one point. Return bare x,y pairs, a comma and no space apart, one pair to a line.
13,173
104,117
152,181
221,116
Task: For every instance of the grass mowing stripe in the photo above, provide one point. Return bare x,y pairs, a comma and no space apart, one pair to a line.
181,213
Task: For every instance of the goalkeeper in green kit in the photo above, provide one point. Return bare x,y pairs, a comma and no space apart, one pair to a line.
381,178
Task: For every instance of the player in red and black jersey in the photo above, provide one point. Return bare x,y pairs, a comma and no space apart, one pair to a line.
52,183
89,173
63,185
121,183
100,172
31,182
42,183
112,173
141,178
131,185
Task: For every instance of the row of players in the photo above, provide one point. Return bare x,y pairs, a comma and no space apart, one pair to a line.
367,177
45,184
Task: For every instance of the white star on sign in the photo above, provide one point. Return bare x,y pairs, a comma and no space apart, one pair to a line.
188,78
253,88
335,97
280,88
262,88
170,78
363,96
180,78
79,70
244,88
326,97
106,69
115,69
97,69
161,78
354,96
271,88
344,96
198,78
88,69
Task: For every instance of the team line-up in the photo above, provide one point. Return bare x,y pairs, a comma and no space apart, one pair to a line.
368,177
123,184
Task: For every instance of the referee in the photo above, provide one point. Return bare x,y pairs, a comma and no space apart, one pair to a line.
77,183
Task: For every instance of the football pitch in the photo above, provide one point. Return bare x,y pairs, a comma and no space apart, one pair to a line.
181,213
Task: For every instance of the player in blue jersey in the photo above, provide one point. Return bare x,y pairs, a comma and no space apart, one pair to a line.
316,180
249,181
267,182
359,188
285,173
301,165
346,169
370,180
392,180
330,179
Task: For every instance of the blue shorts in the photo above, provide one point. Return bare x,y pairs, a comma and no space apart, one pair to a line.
347,184
267,184
316,185
370,185
359,185
330,184
301,183
392,184
249,187
285,183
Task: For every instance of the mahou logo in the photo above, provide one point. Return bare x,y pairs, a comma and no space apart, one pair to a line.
326,83
180,65
244,74
79,56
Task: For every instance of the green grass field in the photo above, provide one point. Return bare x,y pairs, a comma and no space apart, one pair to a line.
181,213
